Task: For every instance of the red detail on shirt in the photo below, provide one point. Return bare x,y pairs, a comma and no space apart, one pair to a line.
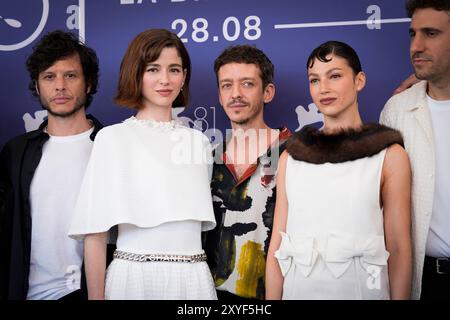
285,133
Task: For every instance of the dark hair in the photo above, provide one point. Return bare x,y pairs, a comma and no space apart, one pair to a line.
58,45
439,5
339,49
143,49
246,54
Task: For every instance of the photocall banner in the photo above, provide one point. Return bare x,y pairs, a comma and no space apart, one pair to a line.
286,30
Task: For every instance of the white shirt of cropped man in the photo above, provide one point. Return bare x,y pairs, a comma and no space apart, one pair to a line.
409,113
56,259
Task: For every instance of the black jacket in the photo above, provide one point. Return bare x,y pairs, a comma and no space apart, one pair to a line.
19,159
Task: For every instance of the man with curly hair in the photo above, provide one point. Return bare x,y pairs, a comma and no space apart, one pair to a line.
41,172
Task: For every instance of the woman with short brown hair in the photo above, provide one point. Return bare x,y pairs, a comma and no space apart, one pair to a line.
149,176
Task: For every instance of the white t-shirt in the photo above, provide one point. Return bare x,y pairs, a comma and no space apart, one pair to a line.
438,242
56,259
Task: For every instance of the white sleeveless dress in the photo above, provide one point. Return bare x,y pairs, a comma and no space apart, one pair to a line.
334,245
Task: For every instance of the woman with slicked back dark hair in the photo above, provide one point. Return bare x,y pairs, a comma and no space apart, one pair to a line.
345,232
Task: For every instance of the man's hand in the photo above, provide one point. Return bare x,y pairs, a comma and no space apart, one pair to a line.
411,80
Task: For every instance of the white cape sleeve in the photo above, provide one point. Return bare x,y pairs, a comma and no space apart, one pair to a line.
93,210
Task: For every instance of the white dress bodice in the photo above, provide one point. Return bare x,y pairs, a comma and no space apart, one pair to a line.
177,237
334,244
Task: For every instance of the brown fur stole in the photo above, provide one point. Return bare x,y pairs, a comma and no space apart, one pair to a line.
314,146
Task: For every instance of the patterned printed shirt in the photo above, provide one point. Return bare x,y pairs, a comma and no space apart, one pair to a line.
244,209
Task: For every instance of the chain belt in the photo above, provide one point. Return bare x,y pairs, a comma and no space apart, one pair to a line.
159,257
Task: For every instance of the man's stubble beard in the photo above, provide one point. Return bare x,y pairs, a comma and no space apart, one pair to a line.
79,104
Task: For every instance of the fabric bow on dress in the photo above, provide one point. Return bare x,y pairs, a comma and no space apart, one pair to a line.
299,251
340,252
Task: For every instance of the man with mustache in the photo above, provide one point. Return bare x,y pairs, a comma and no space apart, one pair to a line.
422,114
41,172
243,181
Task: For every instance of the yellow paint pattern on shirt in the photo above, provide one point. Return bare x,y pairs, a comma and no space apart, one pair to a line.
244,194
219,177
228,246
251,268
